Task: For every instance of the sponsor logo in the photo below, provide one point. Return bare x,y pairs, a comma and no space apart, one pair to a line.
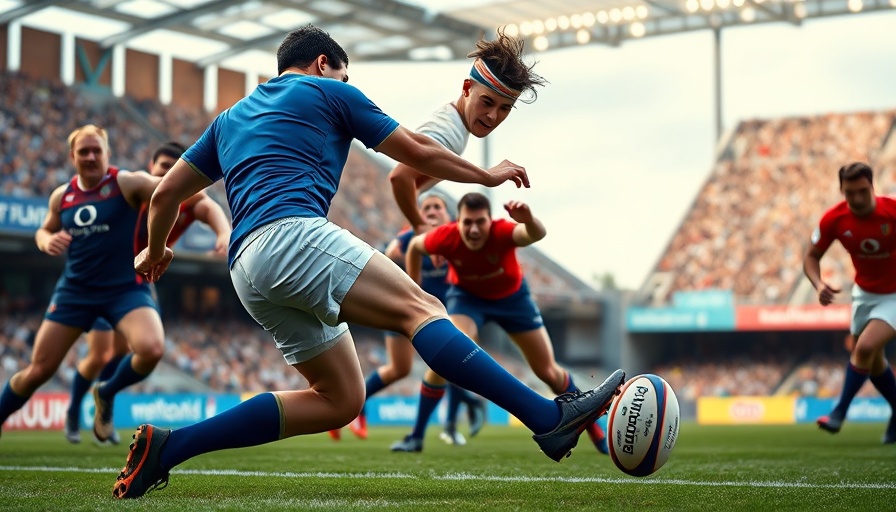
747,410
161,410
634,414
847,233
671,435
869,246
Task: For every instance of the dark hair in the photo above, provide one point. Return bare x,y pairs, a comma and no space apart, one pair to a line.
474,201
170,148
504,56
856,171
302,46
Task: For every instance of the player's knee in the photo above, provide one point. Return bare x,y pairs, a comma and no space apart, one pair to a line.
35,375
149,348
864,353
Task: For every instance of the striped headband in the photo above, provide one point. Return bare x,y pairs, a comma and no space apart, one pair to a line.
482,74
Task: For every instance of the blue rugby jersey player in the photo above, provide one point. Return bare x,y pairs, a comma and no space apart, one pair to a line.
281,152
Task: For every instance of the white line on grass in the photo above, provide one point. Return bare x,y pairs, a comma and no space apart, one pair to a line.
480,478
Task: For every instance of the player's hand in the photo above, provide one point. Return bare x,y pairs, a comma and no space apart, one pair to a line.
58,244
518,211
508,171
152,268
826,294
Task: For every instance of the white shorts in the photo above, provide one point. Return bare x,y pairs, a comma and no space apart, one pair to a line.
292,276
867,306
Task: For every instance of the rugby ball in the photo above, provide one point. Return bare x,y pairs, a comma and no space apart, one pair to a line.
643,425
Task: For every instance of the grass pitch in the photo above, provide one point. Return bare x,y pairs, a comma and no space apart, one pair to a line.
711,469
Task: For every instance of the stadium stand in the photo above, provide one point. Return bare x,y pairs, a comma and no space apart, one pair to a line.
747,229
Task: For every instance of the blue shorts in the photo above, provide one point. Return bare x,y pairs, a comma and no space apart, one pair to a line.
515,313
81,307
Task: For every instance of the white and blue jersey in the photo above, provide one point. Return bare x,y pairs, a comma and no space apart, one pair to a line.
269,172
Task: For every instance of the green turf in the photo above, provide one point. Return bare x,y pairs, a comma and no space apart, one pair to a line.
711,469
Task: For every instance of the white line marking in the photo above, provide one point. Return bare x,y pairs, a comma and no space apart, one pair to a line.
470,476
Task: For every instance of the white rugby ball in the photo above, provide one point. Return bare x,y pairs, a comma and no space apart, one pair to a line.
643,425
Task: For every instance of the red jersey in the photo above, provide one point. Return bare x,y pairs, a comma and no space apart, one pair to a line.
492,272
185,217
870,242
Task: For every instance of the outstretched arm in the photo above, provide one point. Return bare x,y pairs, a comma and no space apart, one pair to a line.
433,159
177,186
407,184
208,211
414,258
529,229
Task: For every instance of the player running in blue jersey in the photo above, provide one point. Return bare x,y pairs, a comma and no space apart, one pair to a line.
92,220
281,152
433,208
105,349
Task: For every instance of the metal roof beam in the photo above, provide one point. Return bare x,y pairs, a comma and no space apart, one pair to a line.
268,40
176,18
28,8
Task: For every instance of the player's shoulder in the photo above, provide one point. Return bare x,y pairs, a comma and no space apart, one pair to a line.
887,203
838,211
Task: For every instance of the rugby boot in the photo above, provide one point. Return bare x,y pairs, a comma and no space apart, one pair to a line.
358,426
72,433
476,413
143,470
102,417
453,437
408,444
578,410
831,423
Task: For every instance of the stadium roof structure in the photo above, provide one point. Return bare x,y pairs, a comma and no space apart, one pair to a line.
232,33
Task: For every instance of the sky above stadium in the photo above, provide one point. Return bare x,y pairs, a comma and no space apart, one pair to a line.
621,140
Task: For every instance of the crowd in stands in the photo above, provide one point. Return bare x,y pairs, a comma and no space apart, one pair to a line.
749,227
227,356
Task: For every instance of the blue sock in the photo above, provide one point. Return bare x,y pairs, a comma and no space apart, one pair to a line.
125,375
373,384
109,369
853,381
429,399
10,402
455,357
456,396
251,423
886,385
569,386
80,387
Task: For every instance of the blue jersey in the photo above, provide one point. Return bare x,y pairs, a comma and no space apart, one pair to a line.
434,280
281,149
102,225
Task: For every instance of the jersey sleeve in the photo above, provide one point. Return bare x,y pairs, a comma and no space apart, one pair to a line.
404,239
824,234
445,133
361,117
503,231
435,240
203,154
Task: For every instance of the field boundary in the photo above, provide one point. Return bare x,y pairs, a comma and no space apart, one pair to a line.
473,477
